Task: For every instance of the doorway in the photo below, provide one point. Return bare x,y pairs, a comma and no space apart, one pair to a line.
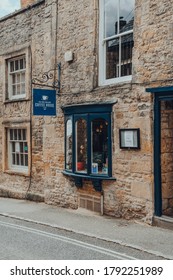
166,120
163,151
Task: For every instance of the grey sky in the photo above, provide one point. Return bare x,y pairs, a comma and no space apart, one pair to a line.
8,6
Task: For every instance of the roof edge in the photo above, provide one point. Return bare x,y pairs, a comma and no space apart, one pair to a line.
22,10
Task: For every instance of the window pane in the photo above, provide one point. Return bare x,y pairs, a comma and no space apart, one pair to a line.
19,134
111,17
112,59
21,147
126,15
15,134
118,16
16,65
18,89
13,159
17,159
22,88
13,147
14,90
22,77
21,63
11,134
22,159
99,157
18,78
81,145
25,148
13,78
24,134
69,145
11,66
26,160
126,54
116,66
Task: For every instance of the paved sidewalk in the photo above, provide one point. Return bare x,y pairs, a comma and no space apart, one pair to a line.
155,240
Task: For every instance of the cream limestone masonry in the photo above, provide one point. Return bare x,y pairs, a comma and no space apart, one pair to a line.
45,32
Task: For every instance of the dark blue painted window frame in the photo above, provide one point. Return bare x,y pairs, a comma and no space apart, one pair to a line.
89,113
160,93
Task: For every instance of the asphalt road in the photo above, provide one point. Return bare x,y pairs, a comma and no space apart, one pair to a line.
21,240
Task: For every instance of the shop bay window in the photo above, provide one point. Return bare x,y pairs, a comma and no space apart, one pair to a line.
116,40
88,140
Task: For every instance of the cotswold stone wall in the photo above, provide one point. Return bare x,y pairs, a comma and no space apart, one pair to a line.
48,31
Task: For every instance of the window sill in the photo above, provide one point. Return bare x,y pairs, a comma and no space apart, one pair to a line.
96,179
16,100
114,81
19,173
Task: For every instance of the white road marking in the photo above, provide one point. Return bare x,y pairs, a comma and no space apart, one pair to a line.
115,254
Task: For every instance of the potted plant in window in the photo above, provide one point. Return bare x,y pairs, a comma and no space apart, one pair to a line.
81,159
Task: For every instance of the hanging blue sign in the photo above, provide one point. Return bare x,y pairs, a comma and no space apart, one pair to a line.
44,102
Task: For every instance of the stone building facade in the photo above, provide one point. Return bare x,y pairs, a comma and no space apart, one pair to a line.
98,113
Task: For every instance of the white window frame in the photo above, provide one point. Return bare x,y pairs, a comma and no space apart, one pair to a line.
17,167
102,51
8,167
13,54
16,73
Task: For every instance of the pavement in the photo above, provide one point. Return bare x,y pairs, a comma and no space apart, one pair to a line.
134,234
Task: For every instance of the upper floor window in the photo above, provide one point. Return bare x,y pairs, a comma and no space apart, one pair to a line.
16,77
116,40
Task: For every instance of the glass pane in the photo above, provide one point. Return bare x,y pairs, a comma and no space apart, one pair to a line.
11,134
16,65
118,16
11,66
81,145
126,15
99,157
13,147
26,160
22,159
126,54
25,147
22,77
22,88
13,78
13,159
19,134
17,159
111,17
15,134
69,145
18,89
112,59
18,78
21,63
24,63
21,148
24,134
14,90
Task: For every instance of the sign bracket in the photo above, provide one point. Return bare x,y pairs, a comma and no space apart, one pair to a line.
49,79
